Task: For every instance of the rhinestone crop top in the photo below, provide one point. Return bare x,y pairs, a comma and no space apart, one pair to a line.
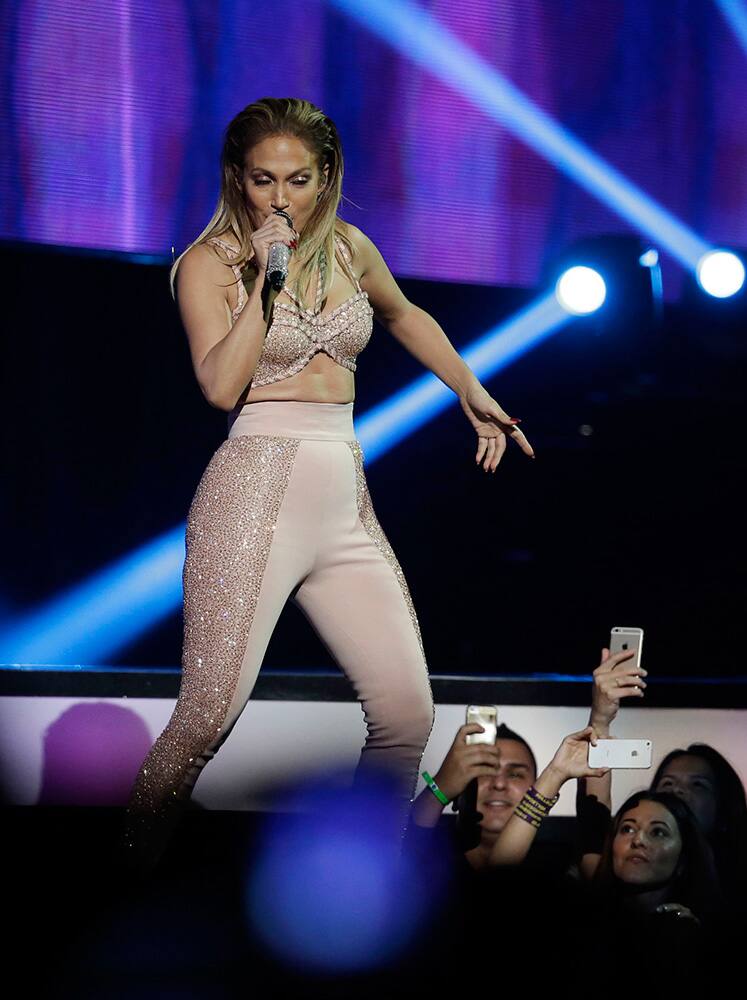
296,334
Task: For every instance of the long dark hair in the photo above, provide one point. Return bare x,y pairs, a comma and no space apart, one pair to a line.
694,883
729,835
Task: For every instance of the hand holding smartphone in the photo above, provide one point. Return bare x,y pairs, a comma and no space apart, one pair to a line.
485,716
623,638
621,754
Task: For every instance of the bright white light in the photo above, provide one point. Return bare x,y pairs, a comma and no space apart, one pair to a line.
581,290
720,273
650,258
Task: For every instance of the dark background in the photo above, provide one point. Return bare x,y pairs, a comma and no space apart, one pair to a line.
638,521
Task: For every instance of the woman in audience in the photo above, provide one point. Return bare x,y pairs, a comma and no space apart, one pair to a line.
656,861
699,775
710,786
654,897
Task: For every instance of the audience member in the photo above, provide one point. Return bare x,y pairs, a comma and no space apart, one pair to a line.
710,786
657,861
498,775
510,799
655,895
499,889
699,775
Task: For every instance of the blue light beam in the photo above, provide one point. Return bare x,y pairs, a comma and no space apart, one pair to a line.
104,614
95,619
422,39
384,426
735,13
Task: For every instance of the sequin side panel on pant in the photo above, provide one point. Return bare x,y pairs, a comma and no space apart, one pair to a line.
375,532
229,534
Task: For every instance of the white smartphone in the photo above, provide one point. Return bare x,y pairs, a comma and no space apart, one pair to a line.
485,716
621,753
622,638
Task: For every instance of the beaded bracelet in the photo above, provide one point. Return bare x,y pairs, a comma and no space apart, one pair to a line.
435,789
534,807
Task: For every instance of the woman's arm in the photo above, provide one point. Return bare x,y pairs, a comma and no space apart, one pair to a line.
224,360
421,335
414,328
570,761
614,679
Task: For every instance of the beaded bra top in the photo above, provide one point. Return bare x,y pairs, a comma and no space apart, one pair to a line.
296,333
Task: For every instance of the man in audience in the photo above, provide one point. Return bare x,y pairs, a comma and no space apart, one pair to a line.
503,772
484,783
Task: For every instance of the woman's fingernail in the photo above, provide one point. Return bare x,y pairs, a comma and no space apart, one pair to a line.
515,420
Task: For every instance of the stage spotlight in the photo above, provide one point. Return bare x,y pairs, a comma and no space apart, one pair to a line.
581,290
649,258
720,273
717,320
618,271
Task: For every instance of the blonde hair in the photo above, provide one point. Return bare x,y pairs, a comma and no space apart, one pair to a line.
280,116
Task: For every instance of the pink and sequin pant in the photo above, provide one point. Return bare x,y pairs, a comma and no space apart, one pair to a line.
283,511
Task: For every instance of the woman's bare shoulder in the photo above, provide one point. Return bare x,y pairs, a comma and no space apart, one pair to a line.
356,236
202,267
365,252
214,251
362,246
199,257
227,239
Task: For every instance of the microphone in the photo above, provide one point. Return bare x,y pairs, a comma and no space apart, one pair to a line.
278,257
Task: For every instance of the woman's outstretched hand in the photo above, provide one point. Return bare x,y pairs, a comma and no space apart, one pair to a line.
571,757
493,426
614,679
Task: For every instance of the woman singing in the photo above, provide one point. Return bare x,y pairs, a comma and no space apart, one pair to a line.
283,509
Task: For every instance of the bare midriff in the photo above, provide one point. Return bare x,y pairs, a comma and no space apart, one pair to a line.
322,380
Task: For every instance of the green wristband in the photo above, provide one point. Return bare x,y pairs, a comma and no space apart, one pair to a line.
435,789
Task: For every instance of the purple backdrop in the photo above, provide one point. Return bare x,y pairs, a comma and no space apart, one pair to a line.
114,111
